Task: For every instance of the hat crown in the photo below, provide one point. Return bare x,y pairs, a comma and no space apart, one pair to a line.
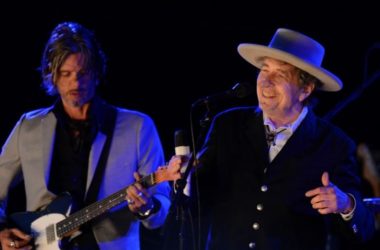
298,45
295,49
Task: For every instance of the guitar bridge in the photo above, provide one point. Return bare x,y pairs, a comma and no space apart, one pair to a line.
50,233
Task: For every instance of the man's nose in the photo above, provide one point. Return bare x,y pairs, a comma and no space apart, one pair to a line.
266,81
78,79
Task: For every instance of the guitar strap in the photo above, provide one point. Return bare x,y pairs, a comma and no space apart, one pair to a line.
108,128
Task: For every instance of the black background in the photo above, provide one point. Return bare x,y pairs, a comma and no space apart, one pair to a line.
164,55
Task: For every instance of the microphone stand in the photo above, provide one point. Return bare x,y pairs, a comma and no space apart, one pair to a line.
179,215
181,199
204,124
181,204
181,209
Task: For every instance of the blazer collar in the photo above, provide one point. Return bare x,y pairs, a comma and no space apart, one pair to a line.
301,140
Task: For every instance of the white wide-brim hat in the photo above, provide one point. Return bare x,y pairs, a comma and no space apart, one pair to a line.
296,49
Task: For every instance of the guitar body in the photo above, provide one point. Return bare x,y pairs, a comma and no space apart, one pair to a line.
41,224
41,235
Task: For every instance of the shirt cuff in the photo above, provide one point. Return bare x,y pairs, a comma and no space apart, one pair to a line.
349,216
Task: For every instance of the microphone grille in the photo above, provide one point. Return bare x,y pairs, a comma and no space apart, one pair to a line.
180,138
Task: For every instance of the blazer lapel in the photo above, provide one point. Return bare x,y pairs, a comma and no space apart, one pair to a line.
96,150
256,138
297,145
105,116
46,139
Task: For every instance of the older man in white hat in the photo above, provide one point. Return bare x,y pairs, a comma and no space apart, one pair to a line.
277,176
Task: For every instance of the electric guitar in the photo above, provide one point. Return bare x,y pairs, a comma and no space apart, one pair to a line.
49,226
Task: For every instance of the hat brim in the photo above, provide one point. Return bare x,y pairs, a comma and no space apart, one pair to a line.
254,54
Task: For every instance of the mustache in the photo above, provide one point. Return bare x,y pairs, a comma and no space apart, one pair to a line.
74,91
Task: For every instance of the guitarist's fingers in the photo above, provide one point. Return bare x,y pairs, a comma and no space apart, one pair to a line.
140,190
140,193
135,196
143,194
14,239
18,246
131,192
137,176
22,244
5,238
20,234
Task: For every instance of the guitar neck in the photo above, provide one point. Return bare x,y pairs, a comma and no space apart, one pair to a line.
90,212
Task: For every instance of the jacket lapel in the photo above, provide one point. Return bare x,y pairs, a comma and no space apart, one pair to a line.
46,139
255,133
96,150
105,123
297,145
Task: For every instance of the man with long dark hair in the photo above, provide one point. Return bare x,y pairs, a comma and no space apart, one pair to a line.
86,147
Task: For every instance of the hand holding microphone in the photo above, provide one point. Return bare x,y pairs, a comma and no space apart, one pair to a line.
182,150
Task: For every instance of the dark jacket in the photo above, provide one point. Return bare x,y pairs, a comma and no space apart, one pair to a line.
251,203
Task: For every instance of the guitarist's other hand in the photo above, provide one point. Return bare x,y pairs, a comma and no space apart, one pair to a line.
13,236
139,199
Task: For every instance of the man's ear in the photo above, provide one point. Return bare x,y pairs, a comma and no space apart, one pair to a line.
306,92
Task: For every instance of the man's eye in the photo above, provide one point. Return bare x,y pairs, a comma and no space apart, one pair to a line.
282,76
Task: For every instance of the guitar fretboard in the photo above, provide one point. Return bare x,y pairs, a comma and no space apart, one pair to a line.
88,213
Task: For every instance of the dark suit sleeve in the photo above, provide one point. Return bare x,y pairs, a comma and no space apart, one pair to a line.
361,227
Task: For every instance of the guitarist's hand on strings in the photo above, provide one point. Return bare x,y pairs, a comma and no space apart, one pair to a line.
14,239
138,198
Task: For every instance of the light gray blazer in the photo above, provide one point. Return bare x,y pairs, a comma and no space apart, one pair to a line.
135,147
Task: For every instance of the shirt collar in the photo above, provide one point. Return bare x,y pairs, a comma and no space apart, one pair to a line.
289,127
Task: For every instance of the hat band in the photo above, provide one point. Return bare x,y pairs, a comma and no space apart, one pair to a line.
309,54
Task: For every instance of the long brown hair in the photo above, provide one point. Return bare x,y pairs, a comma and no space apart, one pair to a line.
69,38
